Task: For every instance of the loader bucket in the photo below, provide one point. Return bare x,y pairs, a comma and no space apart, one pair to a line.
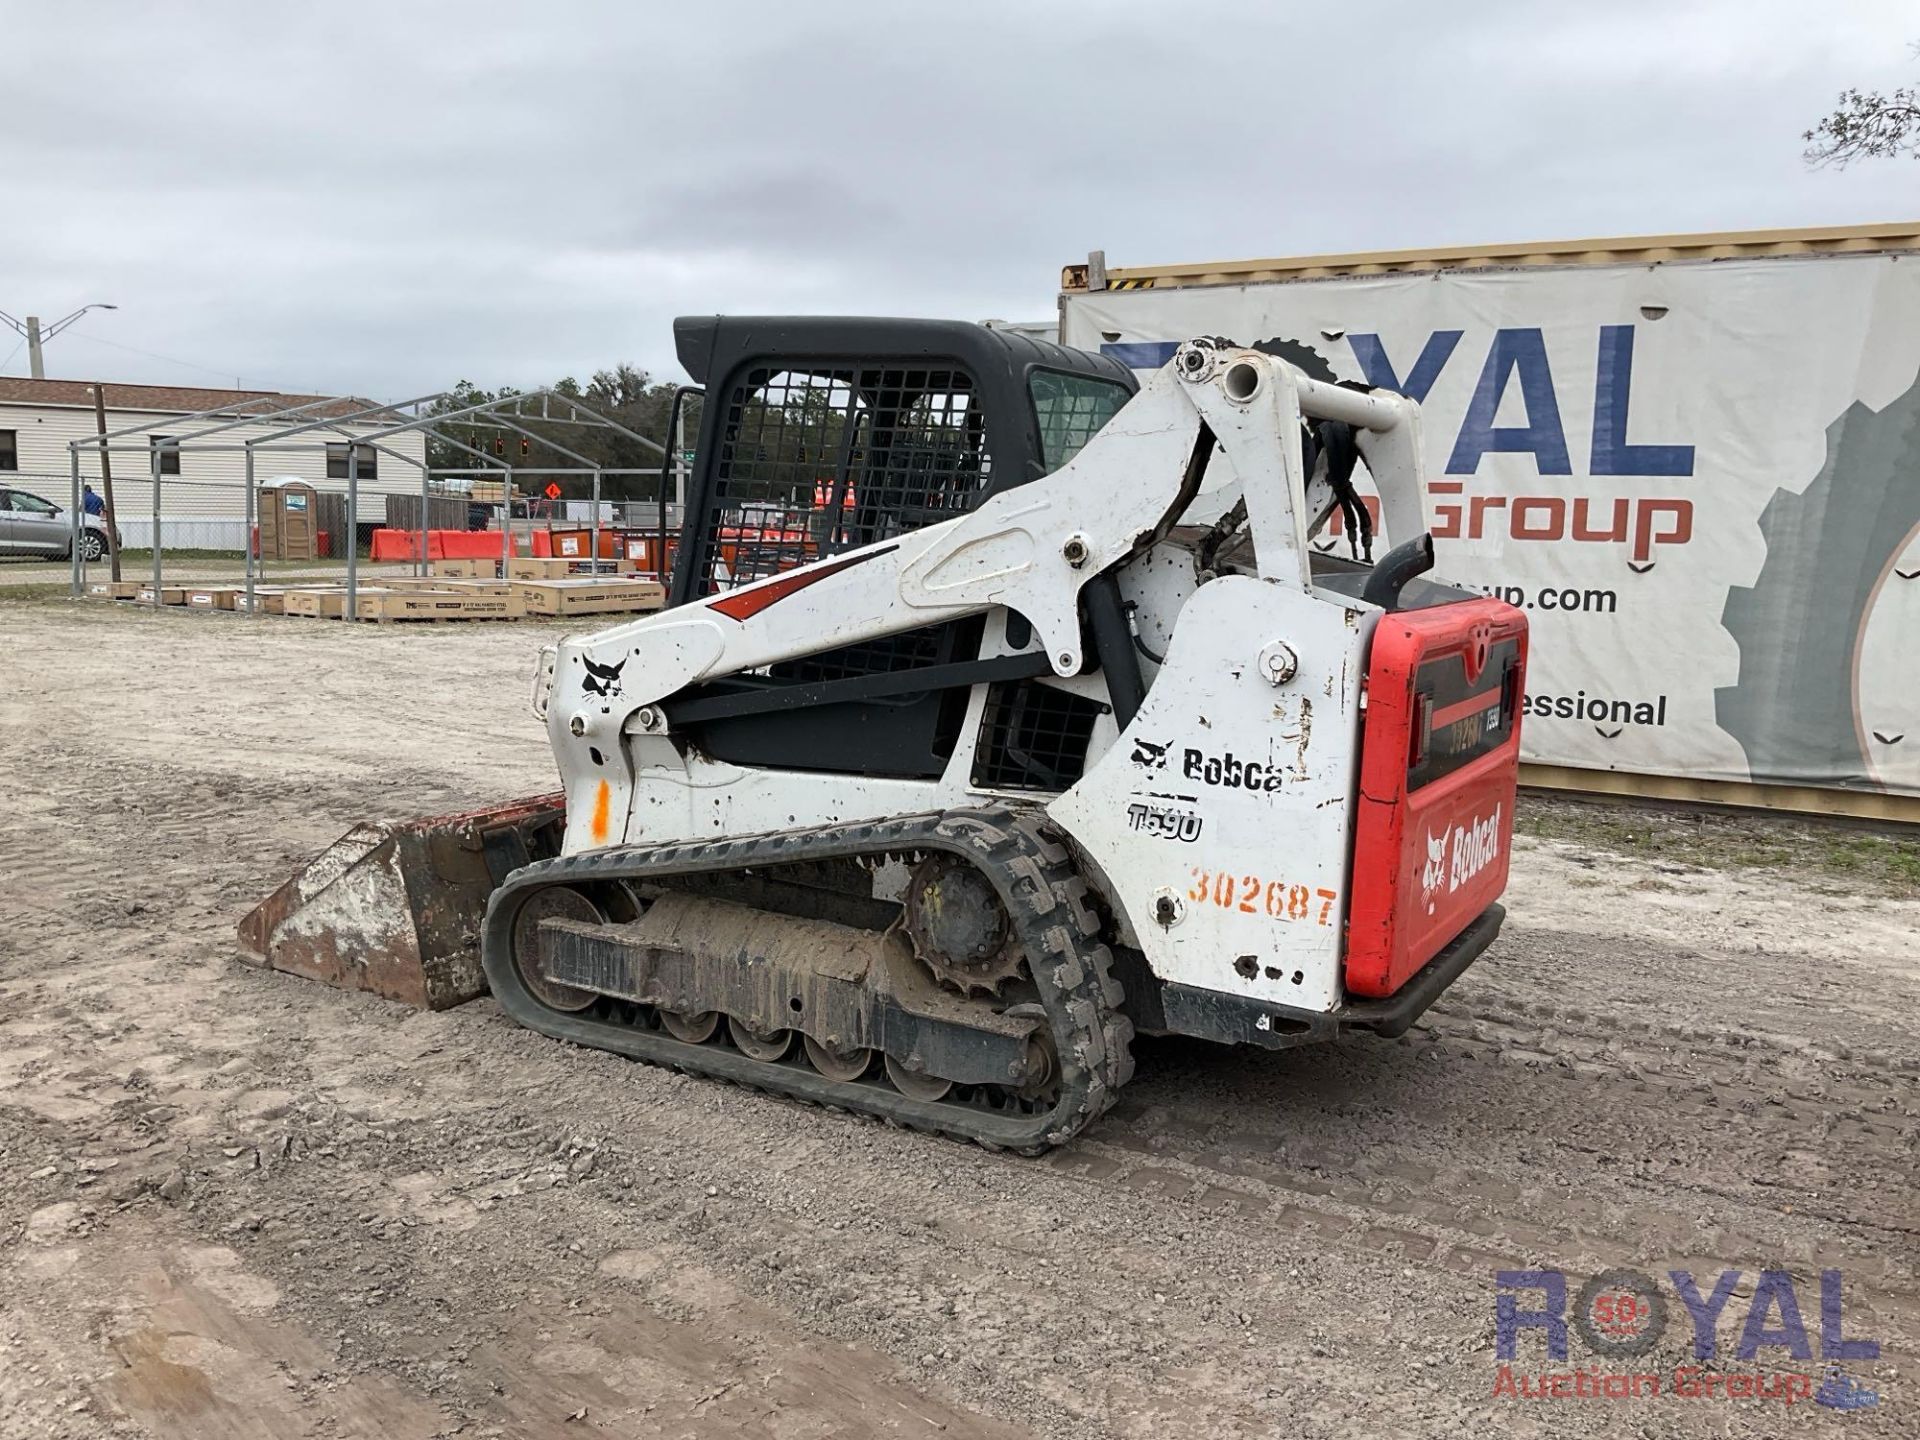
396,908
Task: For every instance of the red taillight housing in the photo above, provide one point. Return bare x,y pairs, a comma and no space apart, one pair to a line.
1422,721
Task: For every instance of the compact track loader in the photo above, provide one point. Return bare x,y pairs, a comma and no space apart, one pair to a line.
1000,713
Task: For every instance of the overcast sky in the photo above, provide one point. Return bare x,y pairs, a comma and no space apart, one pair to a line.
384,199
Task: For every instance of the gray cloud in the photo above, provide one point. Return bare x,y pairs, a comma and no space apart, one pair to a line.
386,198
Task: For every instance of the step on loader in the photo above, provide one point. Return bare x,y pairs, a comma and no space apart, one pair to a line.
1004,708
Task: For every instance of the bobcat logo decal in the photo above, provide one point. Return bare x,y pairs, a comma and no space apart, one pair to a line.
1434,874
602,679
1149,756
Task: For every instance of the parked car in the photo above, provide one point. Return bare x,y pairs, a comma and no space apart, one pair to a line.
31,524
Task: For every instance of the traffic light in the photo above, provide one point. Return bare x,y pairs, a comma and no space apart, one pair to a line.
499,444
526,447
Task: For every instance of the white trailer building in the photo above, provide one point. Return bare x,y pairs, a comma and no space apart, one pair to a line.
202,488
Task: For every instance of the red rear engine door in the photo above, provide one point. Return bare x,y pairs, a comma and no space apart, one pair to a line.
1439,765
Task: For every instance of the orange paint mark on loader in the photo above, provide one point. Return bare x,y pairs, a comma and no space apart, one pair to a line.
602,802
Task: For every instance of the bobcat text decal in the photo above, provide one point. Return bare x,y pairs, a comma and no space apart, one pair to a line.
1475,847
1230,771
1457,854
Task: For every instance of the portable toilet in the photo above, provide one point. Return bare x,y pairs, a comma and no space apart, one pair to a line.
287,530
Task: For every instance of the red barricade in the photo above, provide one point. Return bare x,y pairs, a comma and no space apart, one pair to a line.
441,544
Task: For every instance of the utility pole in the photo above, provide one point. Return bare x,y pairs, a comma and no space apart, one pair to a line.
36,337
106,472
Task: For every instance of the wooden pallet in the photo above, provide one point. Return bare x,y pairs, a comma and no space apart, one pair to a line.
169,595
267,600
372,604
538,567
443,585
427,605
113,589
318,602
563,567
590,595
213,597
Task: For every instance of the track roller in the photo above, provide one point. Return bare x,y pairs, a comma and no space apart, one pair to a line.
693,1029
764,1046
836,1063
914,1084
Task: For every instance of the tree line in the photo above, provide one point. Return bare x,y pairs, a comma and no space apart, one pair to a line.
624,394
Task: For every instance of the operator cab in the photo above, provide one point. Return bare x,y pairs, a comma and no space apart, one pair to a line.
824,434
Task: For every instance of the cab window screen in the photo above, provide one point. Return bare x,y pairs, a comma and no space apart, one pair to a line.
814,461
1071,410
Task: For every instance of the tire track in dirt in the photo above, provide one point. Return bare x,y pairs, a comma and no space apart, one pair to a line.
1764,1192
1467,1222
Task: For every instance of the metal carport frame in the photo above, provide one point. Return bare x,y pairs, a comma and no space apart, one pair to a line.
505,413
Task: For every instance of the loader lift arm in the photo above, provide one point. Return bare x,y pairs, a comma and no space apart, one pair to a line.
1033,549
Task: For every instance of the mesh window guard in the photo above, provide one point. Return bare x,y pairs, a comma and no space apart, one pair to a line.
1033,737
814,461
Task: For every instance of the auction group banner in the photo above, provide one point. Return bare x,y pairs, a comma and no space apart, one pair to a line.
1700,480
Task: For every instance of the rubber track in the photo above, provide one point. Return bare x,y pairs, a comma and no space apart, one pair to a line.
1028,864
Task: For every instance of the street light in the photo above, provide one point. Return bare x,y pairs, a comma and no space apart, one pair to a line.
35,335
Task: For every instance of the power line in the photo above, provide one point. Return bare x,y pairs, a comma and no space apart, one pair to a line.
10,354
204,369
171,360
156,355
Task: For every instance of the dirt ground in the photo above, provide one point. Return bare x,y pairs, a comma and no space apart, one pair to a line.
233,1203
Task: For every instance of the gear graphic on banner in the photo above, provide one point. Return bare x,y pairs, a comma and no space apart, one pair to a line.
1809,703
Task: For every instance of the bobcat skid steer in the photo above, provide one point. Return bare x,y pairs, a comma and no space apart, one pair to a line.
1000,712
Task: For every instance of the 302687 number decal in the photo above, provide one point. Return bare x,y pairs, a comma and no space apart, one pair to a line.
1250,895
